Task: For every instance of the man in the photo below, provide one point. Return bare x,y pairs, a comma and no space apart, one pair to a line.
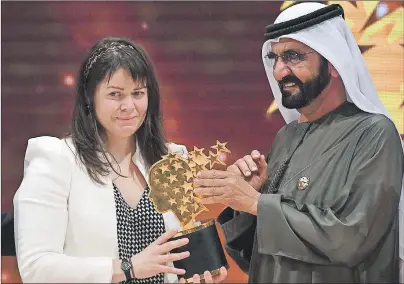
322,207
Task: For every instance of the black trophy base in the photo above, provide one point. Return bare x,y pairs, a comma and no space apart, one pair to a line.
206,251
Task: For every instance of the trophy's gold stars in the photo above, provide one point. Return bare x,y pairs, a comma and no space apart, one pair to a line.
221,147
183,209
170,157
197,152
189,159
198,168
187,186
185,199
212,159
171,182
172,177
215,159
164,168
188,175
157,180
176,165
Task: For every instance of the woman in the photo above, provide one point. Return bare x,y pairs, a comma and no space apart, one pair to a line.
82,211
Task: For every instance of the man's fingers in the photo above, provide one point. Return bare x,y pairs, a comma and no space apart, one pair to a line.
169,246
234,169
255,154
198,182
212,174
173,257
262,163
243,166
209,191
212,200
166,236
252,165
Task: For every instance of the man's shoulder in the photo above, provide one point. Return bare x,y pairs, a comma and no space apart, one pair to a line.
380,123
287,128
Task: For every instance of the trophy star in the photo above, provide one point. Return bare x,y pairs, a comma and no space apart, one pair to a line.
192,165
165,185
176,165
156,181
172,156
169,157
172,201
188,175
202,160
196,206
197,152
212,159
172,178
165,193
187,186
221,147
176,190
185,199
199,168
164,168
189,159
183,209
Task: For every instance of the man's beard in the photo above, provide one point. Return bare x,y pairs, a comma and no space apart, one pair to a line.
308,90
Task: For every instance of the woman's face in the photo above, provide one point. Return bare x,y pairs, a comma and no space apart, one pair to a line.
121,104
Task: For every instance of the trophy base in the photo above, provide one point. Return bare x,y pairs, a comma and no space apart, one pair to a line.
206,251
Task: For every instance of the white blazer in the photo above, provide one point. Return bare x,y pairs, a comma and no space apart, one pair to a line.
65,224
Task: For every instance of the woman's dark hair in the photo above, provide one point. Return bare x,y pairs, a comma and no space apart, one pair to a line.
105,57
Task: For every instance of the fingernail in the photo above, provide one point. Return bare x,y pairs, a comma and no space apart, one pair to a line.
247,173
254,168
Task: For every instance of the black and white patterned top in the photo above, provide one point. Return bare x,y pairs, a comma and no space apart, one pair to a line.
137,229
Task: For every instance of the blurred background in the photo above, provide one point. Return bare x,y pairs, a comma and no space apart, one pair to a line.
208,60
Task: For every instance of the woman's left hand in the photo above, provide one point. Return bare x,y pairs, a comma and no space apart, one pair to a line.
208,277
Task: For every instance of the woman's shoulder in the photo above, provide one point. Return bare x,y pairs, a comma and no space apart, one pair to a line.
49,148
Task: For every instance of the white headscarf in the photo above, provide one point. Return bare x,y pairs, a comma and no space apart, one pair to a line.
334,40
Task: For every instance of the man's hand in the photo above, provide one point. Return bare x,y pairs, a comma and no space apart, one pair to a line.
208,277
253,168
227,188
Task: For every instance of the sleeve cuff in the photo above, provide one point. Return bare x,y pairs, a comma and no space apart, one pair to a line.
235,224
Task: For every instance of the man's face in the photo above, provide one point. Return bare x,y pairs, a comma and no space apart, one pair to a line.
302,74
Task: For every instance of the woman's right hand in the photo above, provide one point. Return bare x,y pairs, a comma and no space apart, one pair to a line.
153,259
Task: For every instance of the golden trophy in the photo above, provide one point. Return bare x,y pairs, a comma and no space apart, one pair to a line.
172,189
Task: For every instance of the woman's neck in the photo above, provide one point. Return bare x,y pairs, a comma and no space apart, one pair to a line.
122,149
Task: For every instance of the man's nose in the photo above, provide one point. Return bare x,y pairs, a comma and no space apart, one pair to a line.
281,70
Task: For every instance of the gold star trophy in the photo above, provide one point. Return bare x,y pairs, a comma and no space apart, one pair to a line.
172,189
